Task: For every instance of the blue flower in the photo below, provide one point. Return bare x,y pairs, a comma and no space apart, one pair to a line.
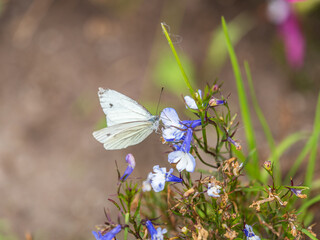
213,190
249,233
175,129
159,178
182,156
156,234
131,164
235,143
213,102
109,235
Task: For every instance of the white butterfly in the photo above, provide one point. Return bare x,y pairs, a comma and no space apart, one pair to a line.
128,123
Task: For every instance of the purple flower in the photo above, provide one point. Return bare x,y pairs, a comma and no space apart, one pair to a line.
156,234
182,156
159,178
281,13
213,102
181,133
109,235
249,233
175,129
131,164
235,143
297,192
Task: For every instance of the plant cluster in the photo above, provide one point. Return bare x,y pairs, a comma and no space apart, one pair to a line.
232,197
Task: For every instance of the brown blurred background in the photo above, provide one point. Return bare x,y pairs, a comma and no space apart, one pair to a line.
54,54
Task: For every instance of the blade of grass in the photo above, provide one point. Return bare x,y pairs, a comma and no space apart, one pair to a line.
306,232
315,184
185,77
204,134
313,154
265,126
307,204
244,107
288,142
309,145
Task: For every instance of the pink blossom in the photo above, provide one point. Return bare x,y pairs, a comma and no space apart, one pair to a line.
281,13
293,41
291,1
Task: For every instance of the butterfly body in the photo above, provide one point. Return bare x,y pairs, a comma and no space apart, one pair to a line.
128,123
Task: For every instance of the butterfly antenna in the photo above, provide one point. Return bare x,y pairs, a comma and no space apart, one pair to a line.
159,100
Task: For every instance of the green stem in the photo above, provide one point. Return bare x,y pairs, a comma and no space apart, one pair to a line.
127,218
177,58
204,133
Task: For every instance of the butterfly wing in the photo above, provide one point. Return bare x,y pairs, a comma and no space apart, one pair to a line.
124,134
120,108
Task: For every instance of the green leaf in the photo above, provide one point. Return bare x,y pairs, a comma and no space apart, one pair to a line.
244,106
308,203
306,232
288,142
314,148
308,218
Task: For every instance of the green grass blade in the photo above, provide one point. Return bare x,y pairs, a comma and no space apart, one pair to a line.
265,126
307,204
244,107
306,232
177,58
311,144
314,148
315,184
288,142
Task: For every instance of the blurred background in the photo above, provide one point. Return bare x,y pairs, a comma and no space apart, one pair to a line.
54,54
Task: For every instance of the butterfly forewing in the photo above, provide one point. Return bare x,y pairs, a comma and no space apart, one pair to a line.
120,108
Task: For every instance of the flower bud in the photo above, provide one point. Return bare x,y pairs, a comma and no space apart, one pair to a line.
267,165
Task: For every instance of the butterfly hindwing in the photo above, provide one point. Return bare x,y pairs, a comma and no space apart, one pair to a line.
123,135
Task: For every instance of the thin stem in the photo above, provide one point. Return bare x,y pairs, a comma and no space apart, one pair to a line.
198,155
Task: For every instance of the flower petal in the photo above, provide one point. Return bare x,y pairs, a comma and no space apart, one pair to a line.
191,162
175,156
190,102
169,117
